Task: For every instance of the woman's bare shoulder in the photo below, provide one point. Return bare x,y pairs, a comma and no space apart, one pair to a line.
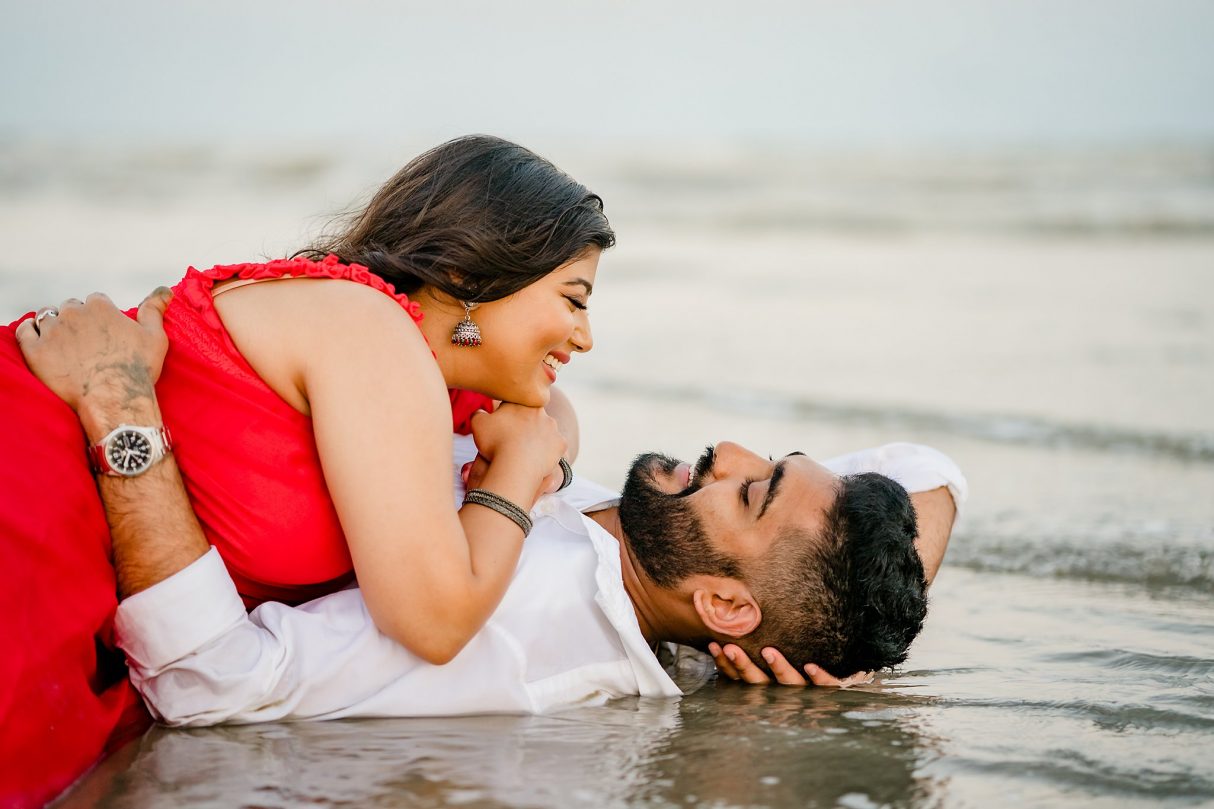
285,328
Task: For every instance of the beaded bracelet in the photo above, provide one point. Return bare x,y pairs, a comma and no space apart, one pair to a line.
566,474
488,499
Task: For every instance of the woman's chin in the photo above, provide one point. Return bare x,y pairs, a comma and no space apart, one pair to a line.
531,397
538,398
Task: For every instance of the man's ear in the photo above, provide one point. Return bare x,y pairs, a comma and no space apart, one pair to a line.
726,607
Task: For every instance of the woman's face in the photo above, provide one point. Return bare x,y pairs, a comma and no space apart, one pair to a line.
530,335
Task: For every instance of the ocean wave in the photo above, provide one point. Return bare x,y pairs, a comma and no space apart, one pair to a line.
1146,563
1006,429
1144,190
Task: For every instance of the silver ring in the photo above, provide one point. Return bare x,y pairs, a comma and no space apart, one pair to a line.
567,471
43,314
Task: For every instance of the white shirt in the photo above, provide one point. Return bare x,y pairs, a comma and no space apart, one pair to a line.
565,633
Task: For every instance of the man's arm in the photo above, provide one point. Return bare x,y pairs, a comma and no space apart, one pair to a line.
936,485
198,659
194,653
105,365
153,529
935,513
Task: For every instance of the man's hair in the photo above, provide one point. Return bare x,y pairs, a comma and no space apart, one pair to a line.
852,597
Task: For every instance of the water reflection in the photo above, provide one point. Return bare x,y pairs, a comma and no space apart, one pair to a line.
745,746
724,745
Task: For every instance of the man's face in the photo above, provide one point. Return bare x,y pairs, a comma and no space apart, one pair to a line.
716,516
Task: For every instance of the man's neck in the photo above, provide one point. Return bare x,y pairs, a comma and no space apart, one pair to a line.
652,604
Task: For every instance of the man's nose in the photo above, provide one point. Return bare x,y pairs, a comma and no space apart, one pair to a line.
735,460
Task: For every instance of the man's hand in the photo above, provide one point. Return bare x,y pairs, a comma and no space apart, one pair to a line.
100,362
737,665
105,366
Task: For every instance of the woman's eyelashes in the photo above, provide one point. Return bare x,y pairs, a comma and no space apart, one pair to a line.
577,302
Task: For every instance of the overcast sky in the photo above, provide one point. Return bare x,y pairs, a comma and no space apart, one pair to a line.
1020,71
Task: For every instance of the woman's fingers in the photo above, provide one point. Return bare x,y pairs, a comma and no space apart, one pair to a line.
553,482
476,472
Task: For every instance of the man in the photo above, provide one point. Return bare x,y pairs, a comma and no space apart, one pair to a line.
737,550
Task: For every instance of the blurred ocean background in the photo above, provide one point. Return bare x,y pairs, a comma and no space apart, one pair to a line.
988,227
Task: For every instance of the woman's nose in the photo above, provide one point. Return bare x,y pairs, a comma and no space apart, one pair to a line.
583,338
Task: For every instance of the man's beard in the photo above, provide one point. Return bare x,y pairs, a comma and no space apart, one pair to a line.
664,532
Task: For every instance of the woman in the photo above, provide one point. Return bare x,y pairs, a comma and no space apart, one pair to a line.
310,398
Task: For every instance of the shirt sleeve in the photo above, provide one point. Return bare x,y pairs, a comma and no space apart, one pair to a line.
198,659
916,467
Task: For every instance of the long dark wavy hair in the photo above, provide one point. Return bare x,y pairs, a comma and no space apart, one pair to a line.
478,218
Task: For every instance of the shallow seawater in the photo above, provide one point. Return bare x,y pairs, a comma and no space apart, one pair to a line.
1052,331
1021,692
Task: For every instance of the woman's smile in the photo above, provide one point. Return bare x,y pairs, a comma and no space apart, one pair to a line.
553,362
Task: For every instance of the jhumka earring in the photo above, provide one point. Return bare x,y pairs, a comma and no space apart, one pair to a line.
467,333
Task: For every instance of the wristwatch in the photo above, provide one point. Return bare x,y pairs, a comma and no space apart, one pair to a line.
129,451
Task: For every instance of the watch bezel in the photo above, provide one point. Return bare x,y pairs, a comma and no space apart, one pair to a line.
157,438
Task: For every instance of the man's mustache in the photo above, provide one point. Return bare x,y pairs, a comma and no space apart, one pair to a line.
654,461
702,467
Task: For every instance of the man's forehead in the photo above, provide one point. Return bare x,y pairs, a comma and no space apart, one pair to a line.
808,492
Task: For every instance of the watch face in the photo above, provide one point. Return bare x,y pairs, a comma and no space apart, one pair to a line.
129,452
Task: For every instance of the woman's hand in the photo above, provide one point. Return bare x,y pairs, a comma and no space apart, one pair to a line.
561,409
737,665
473,475
94,357
523,440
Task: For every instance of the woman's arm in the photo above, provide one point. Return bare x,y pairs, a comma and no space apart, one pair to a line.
381,417
431,576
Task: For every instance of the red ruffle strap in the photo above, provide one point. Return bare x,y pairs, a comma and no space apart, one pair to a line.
329,267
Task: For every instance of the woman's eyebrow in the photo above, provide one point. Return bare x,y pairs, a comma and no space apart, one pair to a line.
575,281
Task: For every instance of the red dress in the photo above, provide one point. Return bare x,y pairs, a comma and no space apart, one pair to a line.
251,468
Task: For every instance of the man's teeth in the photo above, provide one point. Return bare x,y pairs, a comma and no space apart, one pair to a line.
552,362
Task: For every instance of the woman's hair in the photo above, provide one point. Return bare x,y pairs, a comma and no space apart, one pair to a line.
477,217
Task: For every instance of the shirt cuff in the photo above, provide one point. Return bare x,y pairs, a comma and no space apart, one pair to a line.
179,615
916,467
